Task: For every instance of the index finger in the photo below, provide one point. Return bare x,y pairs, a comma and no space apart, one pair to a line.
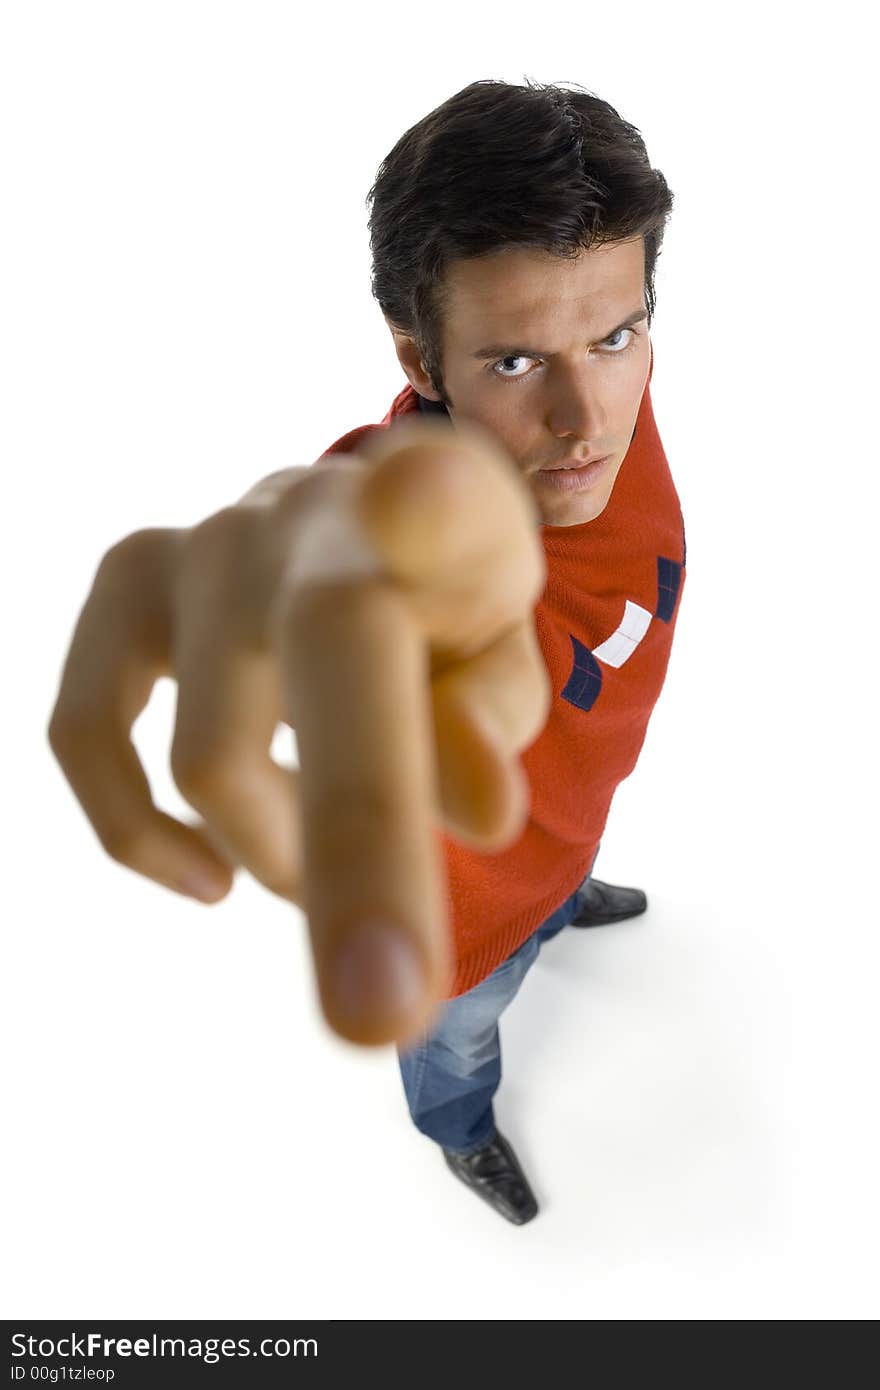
357,685
452,562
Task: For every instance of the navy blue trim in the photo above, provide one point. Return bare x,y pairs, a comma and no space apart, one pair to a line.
668,585
585,682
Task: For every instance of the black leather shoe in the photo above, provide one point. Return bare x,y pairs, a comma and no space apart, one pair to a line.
494,1173
602,903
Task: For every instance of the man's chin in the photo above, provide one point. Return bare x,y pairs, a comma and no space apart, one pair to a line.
573,511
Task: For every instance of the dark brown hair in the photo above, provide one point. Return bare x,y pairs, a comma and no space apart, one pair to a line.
497,166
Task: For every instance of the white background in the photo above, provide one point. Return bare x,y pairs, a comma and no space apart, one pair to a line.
185,308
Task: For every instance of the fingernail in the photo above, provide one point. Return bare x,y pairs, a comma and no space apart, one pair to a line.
203,887
376,972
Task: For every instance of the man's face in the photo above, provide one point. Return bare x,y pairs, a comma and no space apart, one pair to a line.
533,349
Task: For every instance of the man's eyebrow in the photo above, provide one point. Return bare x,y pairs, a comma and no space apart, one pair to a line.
512,350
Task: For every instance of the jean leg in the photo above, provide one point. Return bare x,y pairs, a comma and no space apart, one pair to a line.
451,1074
564,914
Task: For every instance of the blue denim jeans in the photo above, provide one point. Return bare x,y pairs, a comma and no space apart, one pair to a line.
451,1074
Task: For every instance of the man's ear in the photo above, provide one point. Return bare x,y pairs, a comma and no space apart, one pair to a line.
410,361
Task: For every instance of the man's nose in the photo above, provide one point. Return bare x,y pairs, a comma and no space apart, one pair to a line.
576,407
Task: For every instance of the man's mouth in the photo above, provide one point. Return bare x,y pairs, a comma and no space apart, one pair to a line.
574,463
572,476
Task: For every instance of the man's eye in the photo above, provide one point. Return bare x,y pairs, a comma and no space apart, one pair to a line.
510,359
613,344
617,335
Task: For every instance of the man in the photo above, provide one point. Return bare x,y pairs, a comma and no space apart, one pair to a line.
493,570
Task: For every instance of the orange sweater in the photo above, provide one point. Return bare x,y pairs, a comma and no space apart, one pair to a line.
605,624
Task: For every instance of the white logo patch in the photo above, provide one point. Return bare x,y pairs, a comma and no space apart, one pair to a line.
619,647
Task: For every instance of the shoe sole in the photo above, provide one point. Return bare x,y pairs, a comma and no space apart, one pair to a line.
610,921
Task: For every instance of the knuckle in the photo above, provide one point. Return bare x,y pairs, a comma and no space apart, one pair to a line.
274,488
325,537
204,775
124,550
122,843
193,773
58,732
135,551
288,887
68,731
228,558
318,490
307,485
217,534
313,603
